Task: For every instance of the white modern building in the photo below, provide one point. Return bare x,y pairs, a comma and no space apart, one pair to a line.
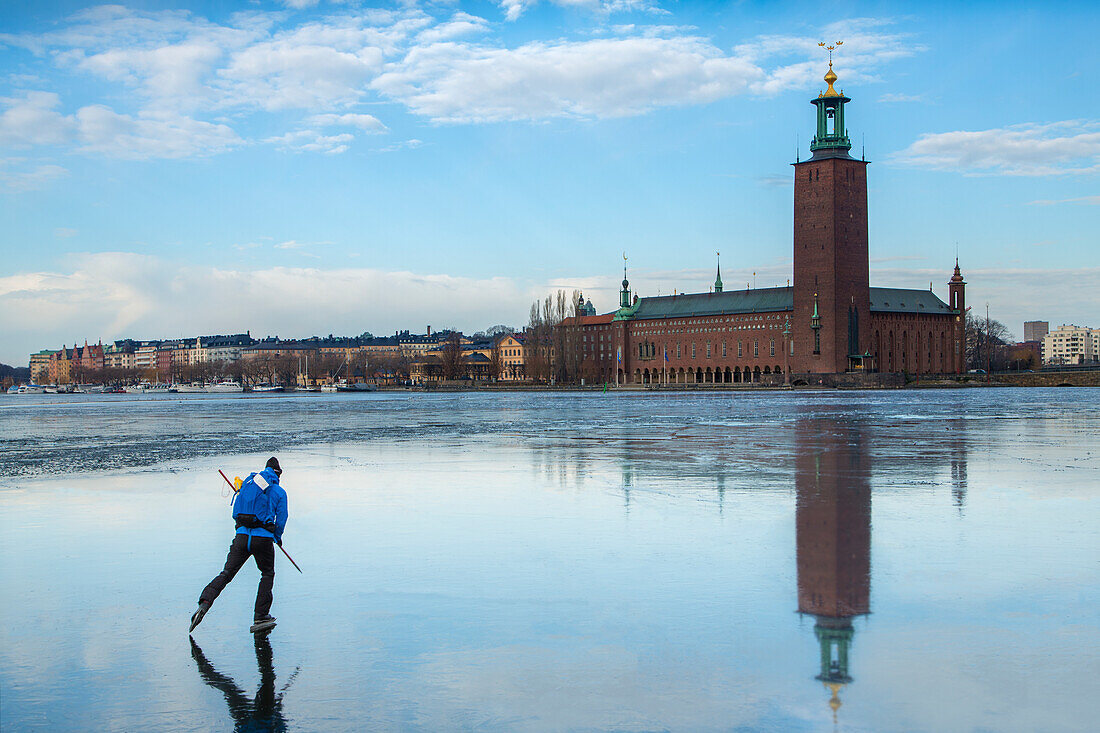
1071,345
145,355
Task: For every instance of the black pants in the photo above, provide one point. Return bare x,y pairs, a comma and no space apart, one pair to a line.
261,548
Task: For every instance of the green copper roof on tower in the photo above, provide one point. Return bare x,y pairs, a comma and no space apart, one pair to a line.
624,294
718,280
832,135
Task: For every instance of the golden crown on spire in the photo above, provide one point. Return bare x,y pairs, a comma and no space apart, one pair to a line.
830,77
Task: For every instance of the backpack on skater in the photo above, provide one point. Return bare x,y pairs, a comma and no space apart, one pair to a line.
252,506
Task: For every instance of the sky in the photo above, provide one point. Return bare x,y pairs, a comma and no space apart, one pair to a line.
307,167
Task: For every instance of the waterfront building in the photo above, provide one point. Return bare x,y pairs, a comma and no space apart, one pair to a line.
65,366
60,366
512,362
222,348
1024,355
829,321
171,354
86,361
474,365
91,357
1036,330
1071,345
145,356
275,348
40,366
585,308
414,345
120,354
382,346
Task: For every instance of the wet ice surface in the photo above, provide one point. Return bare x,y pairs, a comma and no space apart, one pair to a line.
560,562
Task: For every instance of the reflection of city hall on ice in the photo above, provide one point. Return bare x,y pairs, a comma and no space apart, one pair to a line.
830,322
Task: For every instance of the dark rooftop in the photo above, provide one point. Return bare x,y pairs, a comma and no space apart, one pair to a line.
769,300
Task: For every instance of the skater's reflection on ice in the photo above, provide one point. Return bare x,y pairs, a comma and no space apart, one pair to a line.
264,712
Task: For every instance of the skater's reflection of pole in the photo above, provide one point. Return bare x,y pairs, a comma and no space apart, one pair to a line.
264,712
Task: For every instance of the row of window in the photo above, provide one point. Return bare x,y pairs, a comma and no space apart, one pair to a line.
648,349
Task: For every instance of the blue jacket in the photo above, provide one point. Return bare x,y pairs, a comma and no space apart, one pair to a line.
278,500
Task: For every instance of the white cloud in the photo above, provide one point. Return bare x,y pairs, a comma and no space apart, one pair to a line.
1088,200
366,123
172,75
310,141
120,294
513,9
17,176
292,73
64,232
299,4
1070,147
411,144
866,47
598,78
461,24
644,68
180,68
653,31
893,97
33,120
295,244
775,180
150,135
180,61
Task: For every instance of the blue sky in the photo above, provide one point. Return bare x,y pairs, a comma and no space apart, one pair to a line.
298,168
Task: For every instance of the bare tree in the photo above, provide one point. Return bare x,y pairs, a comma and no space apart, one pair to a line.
558,338
393,362
532,346
572,340
540,342
496,361
452,356
235,370
551,352
986,340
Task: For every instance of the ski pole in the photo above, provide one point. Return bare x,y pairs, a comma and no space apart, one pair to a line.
288,557
231,484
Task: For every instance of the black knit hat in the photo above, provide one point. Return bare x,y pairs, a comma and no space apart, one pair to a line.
273,464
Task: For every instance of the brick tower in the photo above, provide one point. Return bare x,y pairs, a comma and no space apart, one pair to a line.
832,297
957,295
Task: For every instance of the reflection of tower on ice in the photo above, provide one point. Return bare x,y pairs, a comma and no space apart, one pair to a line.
833,525
958,463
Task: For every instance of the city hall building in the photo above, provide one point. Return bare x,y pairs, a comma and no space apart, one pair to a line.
829,321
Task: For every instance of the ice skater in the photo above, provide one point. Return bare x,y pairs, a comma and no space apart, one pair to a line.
259,511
